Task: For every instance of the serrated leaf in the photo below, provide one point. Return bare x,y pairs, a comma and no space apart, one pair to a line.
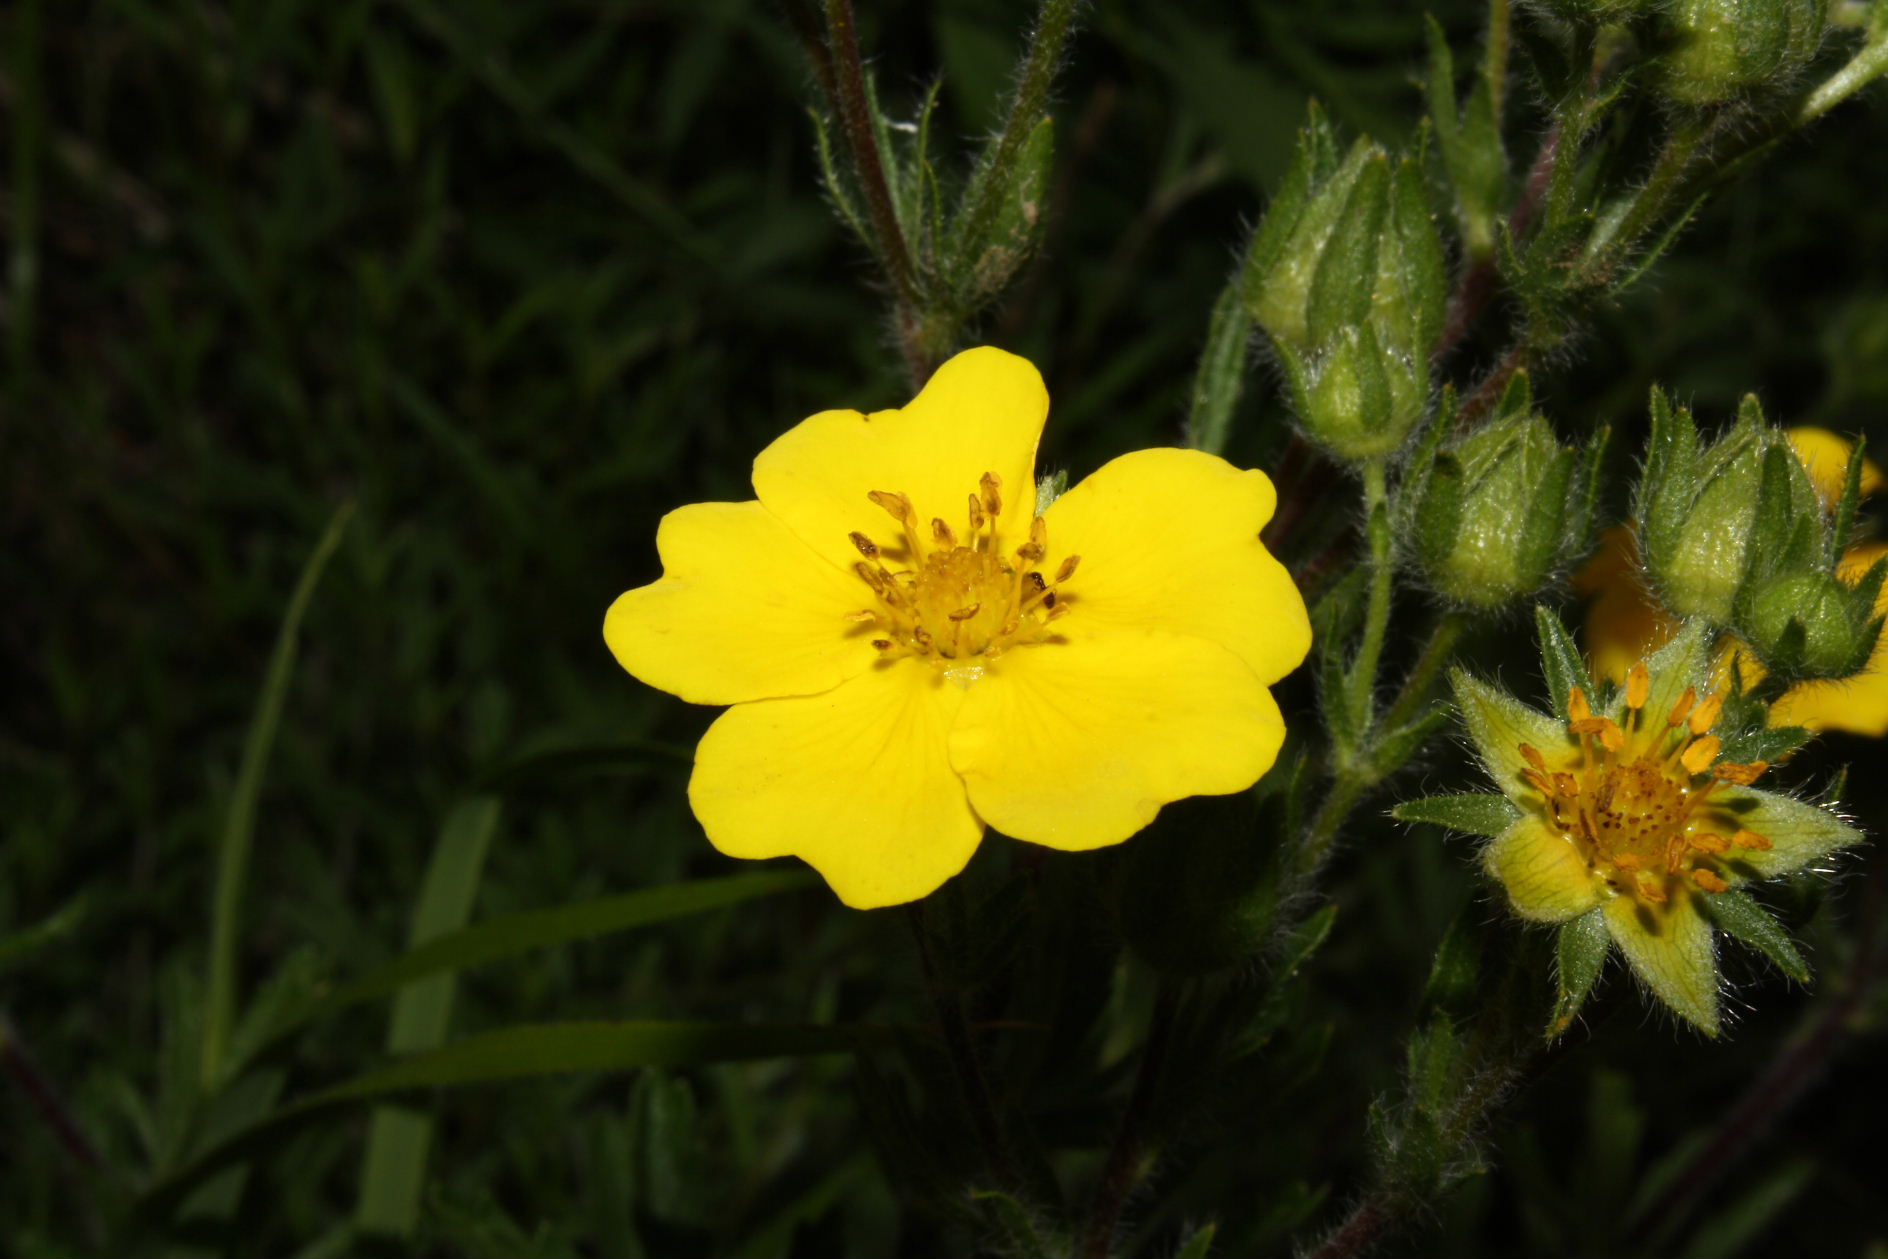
1743,918
1579,955
1475,813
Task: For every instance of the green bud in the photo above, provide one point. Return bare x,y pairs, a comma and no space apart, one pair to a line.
1725,49
1346,277
1696,509
1491,522
1807,625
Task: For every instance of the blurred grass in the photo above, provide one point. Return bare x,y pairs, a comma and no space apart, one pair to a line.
517,279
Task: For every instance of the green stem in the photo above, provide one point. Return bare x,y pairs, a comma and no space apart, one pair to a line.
1362,694
855,115
1675,164
1321,835
1864,68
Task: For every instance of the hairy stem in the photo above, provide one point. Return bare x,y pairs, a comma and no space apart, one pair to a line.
855,116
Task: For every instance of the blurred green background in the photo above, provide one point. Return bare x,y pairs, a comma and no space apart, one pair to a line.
518,279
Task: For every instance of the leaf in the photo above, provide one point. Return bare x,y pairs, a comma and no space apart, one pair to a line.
1302,942
1476,813
1560,660
1025,1240
513,1053
511,934
49,930
239,820
1200,1244
393,1171
1220,377
1743,918
1579,955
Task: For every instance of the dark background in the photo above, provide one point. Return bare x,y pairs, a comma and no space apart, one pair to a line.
517,279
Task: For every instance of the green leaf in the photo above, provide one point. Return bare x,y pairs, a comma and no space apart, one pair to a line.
1579,955
1743,918
1220,377
393,1171
1455,976
1560,660
1302,942
239,820
1473,814
522,932
517,1052
1200,1244
19,944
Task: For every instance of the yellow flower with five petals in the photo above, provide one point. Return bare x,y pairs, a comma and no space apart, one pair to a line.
912,650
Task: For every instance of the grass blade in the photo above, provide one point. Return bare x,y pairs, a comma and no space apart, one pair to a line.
239,823
398,1140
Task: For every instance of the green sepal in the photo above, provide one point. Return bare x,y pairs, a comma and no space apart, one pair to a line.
1476,813
1579,955
1842,525
1346,276
1769,744
1560,660
1744,919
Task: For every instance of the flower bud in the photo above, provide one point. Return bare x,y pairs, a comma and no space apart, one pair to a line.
1346,277
1809,625
1697,508
1725,49
1499,512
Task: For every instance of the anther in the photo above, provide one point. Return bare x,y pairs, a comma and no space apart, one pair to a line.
1566,785
991,484
1067,570
1032,551
1638,686
945,535
883,644
1705,841
1709,881
1698,757
1705,715
861,617
867,547
977,514
874,577
1532,755
1682,708
1751,840
964,614
1650,889
1577,709
1742,775
896,505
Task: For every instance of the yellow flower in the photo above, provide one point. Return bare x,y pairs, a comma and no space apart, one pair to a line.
913,651
1624,621
1634,815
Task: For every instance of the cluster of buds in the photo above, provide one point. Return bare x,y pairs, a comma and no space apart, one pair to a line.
1735,534
1346,277
1498,512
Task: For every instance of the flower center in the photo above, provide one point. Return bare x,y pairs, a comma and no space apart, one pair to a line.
957,601
1638,803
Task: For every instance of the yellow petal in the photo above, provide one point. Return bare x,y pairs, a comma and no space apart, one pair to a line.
1169,540
981,412
1859,704
744,610
1672,949
856,782
1545,877
1825,456
1077,743
1498,724
1624,624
